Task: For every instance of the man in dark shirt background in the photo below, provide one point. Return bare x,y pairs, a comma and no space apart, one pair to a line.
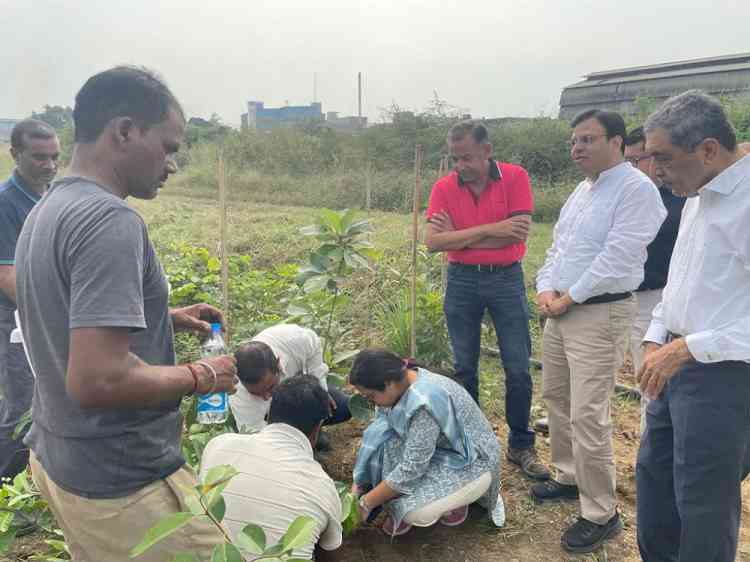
648,294
35,150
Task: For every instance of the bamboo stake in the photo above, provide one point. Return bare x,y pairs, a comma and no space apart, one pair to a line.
223,237
414,242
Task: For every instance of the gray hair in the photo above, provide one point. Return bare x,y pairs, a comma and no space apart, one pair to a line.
476,129
30,129
690,118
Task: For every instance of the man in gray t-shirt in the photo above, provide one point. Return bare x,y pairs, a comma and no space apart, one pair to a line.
93,305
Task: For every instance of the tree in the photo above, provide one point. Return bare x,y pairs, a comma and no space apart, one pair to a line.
56,116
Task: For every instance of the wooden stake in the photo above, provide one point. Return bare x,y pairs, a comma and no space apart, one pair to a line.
414,243
223,237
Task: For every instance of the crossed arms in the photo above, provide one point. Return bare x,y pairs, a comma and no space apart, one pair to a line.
441,235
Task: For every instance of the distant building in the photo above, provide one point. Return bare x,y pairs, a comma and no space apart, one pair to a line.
348,124
617,90
263,118
6,126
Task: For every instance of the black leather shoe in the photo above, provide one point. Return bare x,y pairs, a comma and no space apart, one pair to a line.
586,536
552,490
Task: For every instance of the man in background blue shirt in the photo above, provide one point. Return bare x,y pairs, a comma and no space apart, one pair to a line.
35,150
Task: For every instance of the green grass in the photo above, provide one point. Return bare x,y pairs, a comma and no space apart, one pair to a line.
6,162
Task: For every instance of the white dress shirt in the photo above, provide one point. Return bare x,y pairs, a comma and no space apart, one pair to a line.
599,241
278,481
299,351
707,297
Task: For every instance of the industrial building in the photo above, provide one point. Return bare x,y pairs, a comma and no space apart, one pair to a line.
619,89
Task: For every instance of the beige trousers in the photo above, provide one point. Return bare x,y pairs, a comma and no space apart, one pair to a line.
107,529
581,353
646,301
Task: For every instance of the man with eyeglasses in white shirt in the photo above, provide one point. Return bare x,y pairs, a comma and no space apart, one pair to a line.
696,447
585,289
648,293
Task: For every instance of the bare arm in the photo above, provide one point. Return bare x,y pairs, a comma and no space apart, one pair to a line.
102,373
441,234
8,281
438,240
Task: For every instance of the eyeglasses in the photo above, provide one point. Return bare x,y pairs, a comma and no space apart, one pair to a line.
635,159
584,140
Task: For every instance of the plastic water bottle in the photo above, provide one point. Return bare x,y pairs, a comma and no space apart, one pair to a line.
214,407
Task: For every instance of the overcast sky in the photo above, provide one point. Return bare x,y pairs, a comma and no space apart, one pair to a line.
493,58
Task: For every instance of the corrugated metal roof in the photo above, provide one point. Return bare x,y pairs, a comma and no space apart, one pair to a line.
683,65
602,78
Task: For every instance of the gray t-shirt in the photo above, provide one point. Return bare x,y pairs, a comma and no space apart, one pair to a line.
84,259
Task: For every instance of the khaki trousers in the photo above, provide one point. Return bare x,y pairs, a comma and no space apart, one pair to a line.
581,353
99,530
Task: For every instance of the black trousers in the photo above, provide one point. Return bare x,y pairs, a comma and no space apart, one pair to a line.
693,456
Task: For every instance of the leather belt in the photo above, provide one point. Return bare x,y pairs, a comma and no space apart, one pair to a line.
482,267
608,297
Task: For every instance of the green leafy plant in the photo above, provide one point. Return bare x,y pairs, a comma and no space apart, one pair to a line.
349,513
342,250
206,501
22,507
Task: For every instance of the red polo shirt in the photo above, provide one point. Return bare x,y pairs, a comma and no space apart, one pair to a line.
507,193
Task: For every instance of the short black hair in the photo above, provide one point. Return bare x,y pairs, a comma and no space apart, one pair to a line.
613,123
254,360
373,368
635,136
301,402
476,129
30,129
123,91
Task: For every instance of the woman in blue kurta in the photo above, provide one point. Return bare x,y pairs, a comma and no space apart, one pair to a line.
430,451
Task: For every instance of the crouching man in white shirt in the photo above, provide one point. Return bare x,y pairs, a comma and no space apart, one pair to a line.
275,354
279,480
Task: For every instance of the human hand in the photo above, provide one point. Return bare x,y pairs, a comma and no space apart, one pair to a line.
196,318
331,405
560,306
225,368
661,363
544,299
441,222
364,508
516,228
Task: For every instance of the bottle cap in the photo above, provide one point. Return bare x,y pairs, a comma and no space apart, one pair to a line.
216,327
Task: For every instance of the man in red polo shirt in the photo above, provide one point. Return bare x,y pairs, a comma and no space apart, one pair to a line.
480,214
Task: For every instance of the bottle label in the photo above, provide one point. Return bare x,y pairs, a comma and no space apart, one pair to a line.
215,402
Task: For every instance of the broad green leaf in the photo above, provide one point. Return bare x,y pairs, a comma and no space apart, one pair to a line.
160,531
6,518
355,260
185,557
347,219
346,506
361,408
360,227
316,283
192,500
299,534
332,220
297,310
218,509
6,540
274,550
344,356
335,380
252,539
216,476
22,424
213,264
226,553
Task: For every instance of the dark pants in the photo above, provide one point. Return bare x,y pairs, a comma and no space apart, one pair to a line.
692,459
16,391
502,293
342,413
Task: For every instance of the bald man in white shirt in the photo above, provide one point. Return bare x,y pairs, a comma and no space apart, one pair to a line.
585,288
696,447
